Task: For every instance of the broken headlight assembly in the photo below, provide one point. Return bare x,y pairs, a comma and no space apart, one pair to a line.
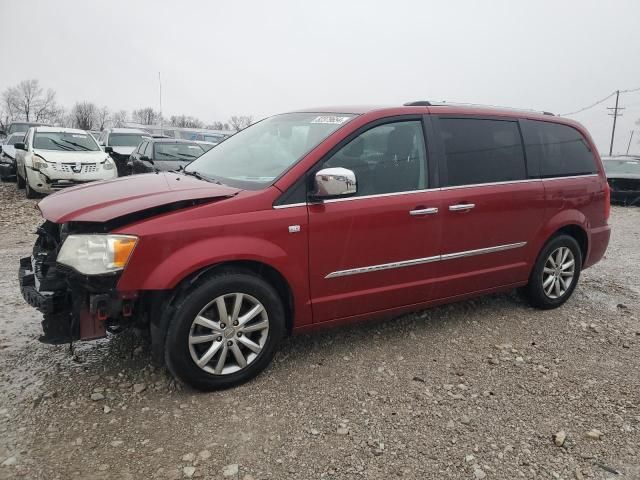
97,254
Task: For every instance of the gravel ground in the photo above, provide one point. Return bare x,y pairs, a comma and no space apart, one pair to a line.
472,390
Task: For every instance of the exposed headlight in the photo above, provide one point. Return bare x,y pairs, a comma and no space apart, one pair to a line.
108,164
96,254
40,163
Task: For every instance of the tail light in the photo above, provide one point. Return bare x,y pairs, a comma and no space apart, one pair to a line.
607,201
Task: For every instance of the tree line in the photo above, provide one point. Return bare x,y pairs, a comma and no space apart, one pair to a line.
30,102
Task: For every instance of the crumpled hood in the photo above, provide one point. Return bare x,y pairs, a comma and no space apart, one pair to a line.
104,201
10,150
59,156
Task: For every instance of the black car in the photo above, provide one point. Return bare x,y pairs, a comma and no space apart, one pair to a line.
8,155
120,143
163,154
623,175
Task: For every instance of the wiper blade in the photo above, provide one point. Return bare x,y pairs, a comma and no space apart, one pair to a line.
65,147
171,155
199,176
76,144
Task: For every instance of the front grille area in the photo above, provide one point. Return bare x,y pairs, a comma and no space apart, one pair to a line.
624,184
75,167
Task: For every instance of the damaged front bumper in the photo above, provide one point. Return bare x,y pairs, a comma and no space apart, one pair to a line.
52,180
75,306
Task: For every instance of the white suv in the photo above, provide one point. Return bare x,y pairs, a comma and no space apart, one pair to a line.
52,158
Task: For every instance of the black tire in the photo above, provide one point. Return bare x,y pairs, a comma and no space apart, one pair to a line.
176,352
20,181
29,192
534,290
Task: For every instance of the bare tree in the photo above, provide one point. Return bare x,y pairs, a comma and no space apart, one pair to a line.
146,116
84,115
240,122
185,121
102,118
119,118
217,126
30,102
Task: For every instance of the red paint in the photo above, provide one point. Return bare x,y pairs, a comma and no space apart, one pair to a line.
243,225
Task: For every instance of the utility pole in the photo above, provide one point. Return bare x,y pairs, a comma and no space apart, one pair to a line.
629,145
615,115
161,125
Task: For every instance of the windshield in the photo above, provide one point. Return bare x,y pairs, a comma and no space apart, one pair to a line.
213,138
626,166
189,135
72,142
125,139
177,151
13,139
255,156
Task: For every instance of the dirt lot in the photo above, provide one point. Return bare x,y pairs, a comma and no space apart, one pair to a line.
473,390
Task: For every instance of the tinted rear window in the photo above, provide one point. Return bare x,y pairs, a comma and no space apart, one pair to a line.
482,151
560,150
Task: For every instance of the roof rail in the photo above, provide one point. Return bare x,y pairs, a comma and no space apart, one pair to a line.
480,105
419,103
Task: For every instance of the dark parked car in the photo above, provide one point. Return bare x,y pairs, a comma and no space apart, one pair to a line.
15,127
120,143
163,155
623,175
317,218
8,156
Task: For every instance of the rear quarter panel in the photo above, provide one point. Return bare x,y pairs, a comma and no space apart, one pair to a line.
576,201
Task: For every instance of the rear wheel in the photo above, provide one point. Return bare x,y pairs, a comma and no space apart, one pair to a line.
225,331
555,274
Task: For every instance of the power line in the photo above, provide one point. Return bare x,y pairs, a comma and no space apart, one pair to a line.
590,106
629,90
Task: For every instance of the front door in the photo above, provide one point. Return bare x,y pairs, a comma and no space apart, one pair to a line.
379,249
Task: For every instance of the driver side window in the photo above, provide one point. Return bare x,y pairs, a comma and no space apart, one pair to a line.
387,158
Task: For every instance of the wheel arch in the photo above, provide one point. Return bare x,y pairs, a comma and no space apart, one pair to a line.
161,303
260,269
578,233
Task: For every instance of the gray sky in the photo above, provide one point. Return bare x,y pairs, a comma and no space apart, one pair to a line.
248,57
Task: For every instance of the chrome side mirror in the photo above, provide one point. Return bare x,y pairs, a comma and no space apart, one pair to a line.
334,182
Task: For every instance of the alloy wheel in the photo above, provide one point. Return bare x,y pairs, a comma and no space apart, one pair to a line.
228,333
558,272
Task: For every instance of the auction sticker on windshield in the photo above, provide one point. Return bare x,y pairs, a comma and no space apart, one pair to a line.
331,119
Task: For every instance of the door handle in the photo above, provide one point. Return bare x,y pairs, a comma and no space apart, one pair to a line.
461,207
423,211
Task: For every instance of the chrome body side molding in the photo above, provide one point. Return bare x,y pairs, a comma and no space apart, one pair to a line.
420,261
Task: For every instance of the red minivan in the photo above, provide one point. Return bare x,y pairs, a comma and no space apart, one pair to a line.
320,217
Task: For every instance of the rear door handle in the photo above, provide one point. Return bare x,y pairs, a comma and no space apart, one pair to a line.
461,207
423,211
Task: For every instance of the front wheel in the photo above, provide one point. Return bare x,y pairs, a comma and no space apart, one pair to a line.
20,181
29,192
225,331
555,274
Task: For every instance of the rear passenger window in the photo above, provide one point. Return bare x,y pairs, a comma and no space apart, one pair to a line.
560,150
482,151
